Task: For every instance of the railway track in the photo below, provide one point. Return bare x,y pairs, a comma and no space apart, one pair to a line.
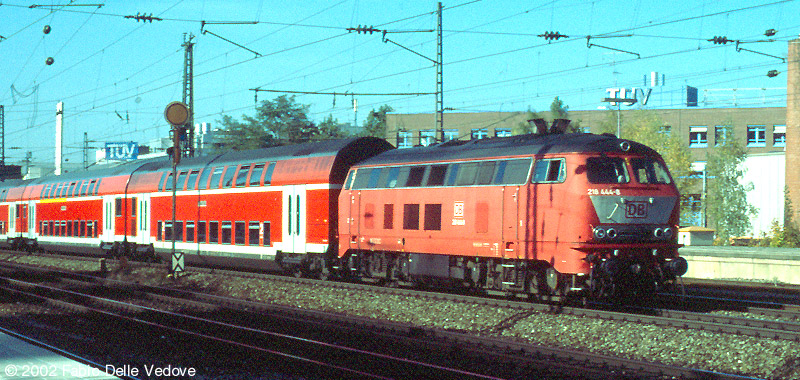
622,366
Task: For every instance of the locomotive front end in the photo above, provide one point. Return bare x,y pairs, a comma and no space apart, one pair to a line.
632,246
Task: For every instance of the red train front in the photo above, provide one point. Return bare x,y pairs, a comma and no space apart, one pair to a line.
536,214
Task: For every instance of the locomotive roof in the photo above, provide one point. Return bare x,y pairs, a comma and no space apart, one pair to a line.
522,145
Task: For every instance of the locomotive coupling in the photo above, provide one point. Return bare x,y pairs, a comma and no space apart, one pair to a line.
676,266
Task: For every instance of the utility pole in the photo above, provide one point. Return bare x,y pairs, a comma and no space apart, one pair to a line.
2,136
59,136
439,79
85,150
188,94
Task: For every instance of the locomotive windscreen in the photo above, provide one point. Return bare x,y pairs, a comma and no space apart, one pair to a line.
648,170
606,170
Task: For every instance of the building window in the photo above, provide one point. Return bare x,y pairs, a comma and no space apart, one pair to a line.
450,134
779,135
698,137
756,136
479,133
721,133
665,130
502,132
427,137
404,139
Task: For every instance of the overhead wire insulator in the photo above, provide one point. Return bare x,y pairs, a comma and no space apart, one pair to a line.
770,32
720,40
552,35
773,73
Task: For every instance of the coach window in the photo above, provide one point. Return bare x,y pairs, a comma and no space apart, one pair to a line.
69,228
606,170
215,177
268,173
402,177
436,175
411,216
190,231
168,231
118,207
202,183
182,179
466,174
83,228
241,176
93,187
201,232
252,233
227,178
84,187
549,171
485,173
192,179
255,177
415,176
226,233
52,228
267,236
239,233
213,232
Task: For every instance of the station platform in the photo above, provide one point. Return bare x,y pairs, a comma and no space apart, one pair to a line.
20,359
764,264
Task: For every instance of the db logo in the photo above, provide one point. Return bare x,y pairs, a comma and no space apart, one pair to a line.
635,209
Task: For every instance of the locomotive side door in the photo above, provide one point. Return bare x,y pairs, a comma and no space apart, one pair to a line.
511,215
294,219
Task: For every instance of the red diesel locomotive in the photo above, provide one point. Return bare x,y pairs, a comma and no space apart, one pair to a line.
535,214
539,214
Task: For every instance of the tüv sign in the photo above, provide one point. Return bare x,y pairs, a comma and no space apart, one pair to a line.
122,151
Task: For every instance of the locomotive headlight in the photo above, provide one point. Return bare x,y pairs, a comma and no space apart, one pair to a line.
599,233
611,233
658,233
668,233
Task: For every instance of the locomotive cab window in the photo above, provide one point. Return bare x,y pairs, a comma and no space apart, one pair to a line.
649,171
549,171
606,170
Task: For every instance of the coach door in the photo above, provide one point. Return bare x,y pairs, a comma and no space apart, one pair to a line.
143,218
108,218
294,219
31,219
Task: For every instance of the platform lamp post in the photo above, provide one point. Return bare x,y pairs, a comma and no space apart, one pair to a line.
176,113
618,102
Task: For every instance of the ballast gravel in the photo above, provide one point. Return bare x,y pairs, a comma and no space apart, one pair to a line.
729,353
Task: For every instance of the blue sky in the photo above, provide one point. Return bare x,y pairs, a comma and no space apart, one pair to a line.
115,75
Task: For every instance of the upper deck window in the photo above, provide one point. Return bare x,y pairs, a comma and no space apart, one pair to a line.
606,170
649,171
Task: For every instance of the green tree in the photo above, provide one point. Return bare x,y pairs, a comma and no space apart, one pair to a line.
559,111
525,127
330,128
726,199
278,122
376,122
